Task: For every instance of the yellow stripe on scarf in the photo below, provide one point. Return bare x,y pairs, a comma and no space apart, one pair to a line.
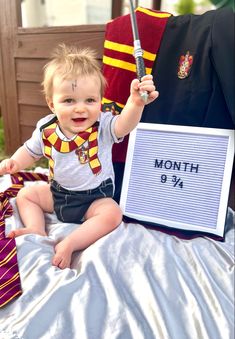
122,64
155,14
93,151
93,136
52,138
64,148
115,46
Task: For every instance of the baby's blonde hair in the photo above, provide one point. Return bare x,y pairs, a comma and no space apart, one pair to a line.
68,62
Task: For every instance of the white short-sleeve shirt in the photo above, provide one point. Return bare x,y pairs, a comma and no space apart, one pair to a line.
68,171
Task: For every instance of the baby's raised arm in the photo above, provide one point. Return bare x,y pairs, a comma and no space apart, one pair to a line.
131,113
20,160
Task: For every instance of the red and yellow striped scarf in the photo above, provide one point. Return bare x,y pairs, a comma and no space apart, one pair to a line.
119,63
51,139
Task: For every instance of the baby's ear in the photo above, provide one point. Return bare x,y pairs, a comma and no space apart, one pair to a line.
50,104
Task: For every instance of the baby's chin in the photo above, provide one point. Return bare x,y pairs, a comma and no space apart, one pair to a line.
79,125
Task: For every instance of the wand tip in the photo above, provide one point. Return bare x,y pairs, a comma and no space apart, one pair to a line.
144,96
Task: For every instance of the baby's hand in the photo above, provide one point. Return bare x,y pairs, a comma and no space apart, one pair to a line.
143,92
8,166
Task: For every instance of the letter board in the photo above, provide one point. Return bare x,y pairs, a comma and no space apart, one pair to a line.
178,176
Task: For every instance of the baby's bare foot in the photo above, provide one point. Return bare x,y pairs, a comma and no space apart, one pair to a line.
63,254
21,231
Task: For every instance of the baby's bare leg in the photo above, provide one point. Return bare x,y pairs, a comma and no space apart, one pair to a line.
32,202
103,216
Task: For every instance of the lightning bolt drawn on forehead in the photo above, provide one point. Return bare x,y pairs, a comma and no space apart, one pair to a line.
74,84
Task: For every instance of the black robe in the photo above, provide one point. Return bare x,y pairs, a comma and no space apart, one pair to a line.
204,98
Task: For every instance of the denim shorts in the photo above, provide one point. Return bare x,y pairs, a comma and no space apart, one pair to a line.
71,206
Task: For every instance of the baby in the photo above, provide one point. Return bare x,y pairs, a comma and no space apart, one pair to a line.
77,139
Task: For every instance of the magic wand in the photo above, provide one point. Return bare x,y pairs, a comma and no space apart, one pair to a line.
138,53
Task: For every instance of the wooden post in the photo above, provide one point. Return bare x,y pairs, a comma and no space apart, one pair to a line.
156,5
117,8
10,19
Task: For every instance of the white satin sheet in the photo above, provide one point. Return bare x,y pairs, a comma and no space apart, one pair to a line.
134,283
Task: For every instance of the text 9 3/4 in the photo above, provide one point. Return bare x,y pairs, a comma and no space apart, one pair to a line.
176,181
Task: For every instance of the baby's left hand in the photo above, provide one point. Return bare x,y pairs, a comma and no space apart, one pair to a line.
147,87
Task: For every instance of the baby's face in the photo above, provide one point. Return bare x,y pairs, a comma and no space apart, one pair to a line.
76,103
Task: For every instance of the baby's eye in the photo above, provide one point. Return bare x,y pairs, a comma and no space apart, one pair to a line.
90,100
68,100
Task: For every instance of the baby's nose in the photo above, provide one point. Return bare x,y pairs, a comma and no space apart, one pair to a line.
79,107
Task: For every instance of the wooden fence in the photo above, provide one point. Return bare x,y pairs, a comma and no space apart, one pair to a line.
23,53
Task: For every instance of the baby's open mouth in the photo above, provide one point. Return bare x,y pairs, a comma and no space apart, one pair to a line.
79,119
